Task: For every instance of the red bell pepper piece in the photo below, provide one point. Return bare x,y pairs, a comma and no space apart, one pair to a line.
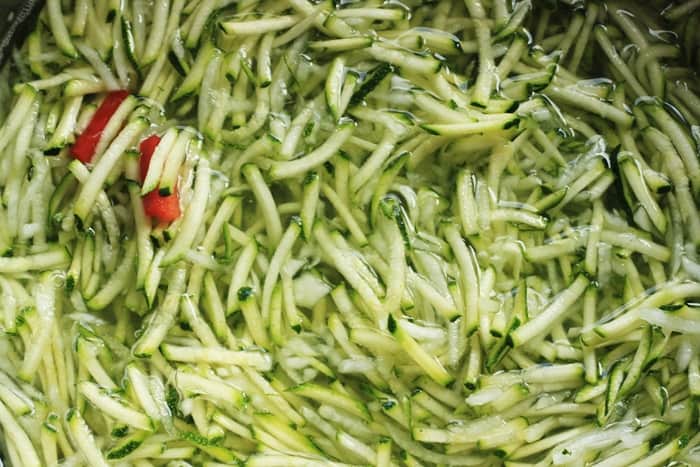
162,208
147,148
84,147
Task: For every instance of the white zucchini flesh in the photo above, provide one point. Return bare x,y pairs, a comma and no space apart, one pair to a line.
424,234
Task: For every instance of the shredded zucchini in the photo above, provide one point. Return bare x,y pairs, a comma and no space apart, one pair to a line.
409,233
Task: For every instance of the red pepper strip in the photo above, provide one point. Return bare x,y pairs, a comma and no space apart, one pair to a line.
161,208
85,144
147,148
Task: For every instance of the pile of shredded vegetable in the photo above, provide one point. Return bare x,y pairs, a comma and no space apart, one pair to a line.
306,233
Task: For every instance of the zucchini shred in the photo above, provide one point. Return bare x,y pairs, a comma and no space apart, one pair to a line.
411,233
